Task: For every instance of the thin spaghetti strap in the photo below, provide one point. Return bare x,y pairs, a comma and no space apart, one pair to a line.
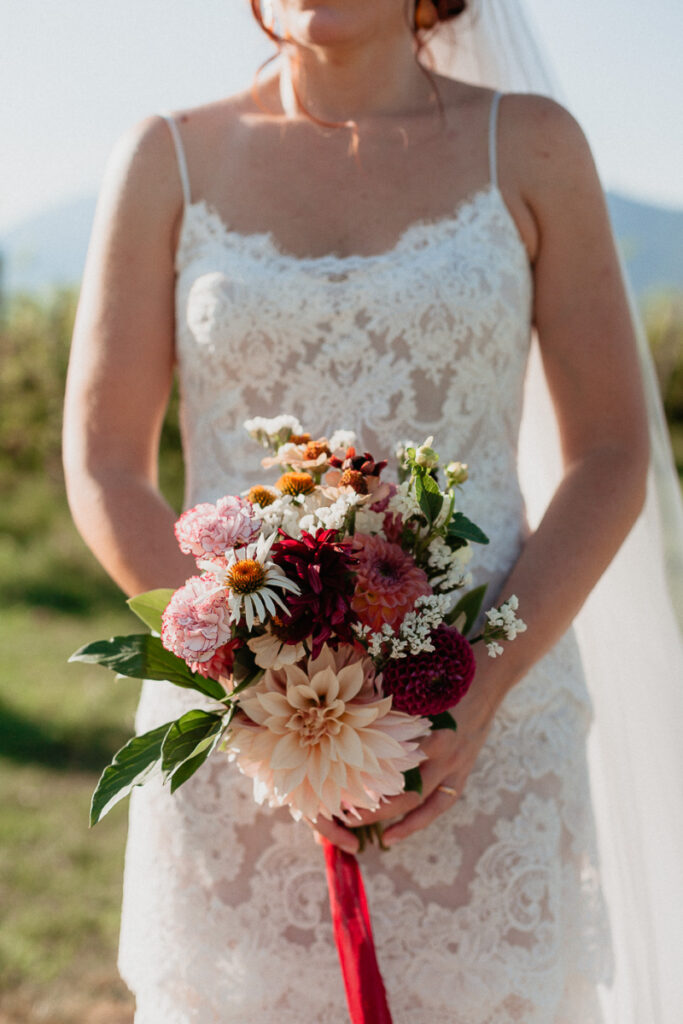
493,148
180,154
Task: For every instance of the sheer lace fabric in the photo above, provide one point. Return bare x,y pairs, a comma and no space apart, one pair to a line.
494,914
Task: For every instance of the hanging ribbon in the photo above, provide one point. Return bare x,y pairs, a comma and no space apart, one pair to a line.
365,994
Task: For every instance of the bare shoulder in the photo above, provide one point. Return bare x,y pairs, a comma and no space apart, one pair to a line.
544,146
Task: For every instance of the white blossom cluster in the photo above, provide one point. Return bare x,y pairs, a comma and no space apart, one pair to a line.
341,439
452,563
270,431
330,517
284,512
404,503
503,623
368,521
414,633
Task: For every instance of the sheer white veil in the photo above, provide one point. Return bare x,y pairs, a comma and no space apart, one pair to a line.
629,627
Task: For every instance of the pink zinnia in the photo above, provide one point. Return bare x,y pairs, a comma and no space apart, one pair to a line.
196,622
433,681
210,530
388,582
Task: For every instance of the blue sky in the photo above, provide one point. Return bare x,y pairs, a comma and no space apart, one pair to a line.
75,73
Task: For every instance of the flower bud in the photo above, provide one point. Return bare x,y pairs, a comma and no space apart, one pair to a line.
425,455
456,473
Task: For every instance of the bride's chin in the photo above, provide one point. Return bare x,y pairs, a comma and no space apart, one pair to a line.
327,24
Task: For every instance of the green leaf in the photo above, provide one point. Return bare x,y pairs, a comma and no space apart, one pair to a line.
187,769
462,528
141,656
413,781
429,497
188,737
444,720
134,764
469,605
150,606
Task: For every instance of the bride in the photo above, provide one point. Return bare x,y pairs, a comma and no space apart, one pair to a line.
369,245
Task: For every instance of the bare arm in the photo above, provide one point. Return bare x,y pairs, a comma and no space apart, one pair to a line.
121,367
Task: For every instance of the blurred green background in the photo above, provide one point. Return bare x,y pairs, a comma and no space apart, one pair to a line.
59,724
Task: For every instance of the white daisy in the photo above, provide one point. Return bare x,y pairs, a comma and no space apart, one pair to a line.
250,579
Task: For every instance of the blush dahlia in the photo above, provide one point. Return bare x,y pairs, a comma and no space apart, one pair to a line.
433,681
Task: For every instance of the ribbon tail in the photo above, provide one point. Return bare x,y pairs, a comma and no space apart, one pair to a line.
365,994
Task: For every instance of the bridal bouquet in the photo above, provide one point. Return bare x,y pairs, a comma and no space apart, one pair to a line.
326,634
322,626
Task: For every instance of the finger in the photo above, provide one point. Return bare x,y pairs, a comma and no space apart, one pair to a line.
424,815
337,834
395,807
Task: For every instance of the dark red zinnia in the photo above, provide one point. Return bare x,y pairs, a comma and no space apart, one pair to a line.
322,567
433,681
363,464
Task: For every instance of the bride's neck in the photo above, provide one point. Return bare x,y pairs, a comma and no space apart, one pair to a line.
378,77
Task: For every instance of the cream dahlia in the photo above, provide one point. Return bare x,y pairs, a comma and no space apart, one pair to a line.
317,738
388,582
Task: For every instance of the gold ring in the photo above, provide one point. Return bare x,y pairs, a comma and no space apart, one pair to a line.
448,789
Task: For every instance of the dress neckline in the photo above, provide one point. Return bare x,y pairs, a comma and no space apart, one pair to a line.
264,244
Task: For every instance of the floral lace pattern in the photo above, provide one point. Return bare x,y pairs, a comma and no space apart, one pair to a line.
493,914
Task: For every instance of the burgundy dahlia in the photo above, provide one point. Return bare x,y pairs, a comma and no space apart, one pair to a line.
322,568
433,681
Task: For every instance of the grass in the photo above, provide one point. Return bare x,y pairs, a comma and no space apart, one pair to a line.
60,881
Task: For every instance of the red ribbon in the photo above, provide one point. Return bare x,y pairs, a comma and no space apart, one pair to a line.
365,994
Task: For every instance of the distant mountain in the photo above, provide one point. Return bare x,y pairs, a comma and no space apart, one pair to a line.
49,248
651,241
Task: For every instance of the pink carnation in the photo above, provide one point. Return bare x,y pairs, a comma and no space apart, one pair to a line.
209,530
219,666
196,622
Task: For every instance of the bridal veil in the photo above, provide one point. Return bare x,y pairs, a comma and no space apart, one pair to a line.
629,629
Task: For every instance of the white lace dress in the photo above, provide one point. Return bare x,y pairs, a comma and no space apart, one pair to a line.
493,914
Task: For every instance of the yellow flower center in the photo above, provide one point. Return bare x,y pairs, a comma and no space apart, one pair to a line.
262,496
354,479
316,721
296,483
246,576
314,449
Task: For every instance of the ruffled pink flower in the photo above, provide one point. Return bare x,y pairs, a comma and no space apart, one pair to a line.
388,582
210,530
219,666
196,621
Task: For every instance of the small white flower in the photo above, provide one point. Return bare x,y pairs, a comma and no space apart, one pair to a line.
271,427
341,439
404,503
494,649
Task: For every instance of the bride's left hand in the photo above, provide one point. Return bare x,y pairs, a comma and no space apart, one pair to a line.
450,759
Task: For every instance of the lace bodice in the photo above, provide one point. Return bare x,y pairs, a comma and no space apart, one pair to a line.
493,914
430,337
